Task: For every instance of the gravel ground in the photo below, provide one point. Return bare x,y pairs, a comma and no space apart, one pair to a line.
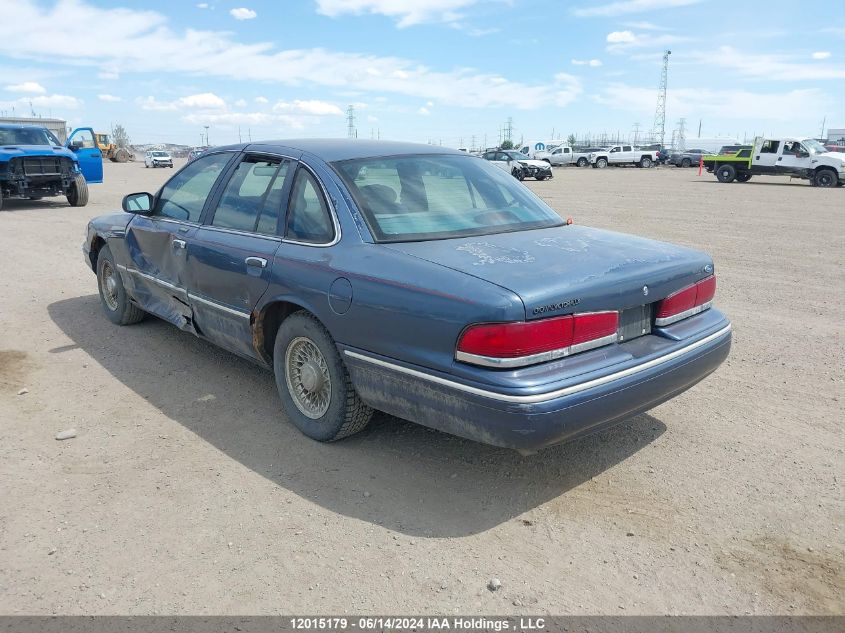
186,491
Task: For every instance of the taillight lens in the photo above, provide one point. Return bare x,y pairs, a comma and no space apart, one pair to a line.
526,343
686,302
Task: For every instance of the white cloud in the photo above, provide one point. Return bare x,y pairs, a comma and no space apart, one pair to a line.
242,13
621,41
430,104
240,103
821,55
27,87
109,98
61,102
626,7
206,100
125,45
203,5
262,100
728,105
313,107
406,12
587,62
372,119
621,37
768,67
424,111
644,26
107,74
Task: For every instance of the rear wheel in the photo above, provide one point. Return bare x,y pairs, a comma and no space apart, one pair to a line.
601,163
78,194
825,178
726,173
116,304
646,162
314,386
743,176
582,162
686,162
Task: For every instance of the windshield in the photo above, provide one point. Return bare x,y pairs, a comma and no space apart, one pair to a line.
414,198
516,155
27,136
814,146
160,154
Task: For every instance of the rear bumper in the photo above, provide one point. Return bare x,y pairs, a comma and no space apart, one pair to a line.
531,421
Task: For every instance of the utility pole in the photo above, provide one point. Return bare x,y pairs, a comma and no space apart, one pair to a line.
239,134
472,147
659,130
351,132
509,130
699,128
824,121
206,135
636,133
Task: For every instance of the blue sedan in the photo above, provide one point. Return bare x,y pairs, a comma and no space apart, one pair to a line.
414,280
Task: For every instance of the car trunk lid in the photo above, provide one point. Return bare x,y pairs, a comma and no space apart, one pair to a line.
570,269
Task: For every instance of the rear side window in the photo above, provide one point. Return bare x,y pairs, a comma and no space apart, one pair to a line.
308,217
183,197
253,196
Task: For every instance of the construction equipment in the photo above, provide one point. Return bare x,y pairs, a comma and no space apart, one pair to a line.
110,150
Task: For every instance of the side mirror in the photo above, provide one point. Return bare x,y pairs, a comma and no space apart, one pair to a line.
76,145
141,203
803,154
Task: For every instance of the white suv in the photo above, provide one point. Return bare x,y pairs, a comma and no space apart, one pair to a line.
158,158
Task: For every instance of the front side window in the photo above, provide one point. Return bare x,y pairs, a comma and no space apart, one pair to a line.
183,197
253,196
414,198
308,218
86,137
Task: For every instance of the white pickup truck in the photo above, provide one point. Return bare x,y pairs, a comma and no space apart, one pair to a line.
565,155
622,155
792,156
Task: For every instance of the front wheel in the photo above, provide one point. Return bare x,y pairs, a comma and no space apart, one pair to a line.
517,173
601,163
825,178
725,173
314,386
77,195
116,304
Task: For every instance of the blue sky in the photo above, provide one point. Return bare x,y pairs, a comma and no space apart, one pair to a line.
423,70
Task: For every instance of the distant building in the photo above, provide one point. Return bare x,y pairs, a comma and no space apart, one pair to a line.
56,126
836,136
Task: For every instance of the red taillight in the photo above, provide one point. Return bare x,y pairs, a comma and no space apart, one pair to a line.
686,302
526,343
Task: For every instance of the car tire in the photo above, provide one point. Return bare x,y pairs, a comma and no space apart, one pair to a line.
116,303
78,194
743,176
146,166
646,162
825,178
726,173
315,388
686,163
517,173
582,162
601,163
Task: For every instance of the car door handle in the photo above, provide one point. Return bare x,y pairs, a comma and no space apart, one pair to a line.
257,262
178,243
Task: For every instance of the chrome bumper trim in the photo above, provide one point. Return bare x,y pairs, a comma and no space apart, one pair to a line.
549,395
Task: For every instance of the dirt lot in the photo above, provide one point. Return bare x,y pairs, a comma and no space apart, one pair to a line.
186,491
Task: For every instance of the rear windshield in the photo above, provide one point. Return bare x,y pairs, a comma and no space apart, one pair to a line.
415,198
27,136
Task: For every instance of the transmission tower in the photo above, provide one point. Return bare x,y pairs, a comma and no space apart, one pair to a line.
351,132
682,134
659,131
508,131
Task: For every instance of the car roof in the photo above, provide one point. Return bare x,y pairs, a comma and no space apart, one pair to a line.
20,126
334,149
